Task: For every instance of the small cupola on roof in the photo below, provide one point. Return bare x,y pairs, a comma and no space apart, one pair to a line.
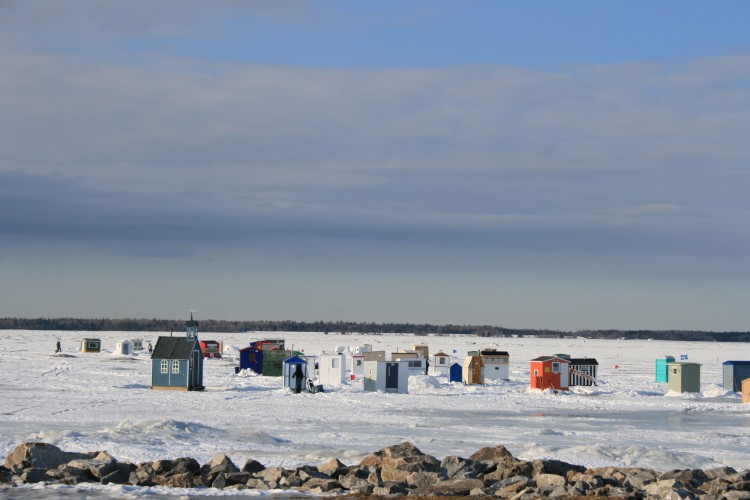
191,327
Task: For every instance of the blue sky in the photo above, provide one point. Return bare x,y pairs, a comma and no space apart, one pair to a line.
564,165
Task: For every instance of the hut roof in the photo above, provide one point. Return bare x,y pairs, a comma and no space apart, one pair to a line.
549,358
583,361
493,352
173,348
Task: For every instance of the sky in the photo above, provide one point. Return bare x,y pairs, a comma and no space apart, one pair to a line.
545,164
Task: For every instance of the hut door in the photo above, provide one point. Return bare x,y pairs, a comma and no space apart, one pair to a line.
194,372
564,372
391,376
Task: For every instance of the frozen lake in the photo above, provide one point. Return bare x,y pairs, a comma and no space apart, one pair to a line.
86,402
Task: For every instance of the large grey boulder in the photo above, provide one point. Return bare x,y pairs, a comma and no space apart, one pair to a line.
271,476
453,467
557,467
252,466
333,468
404,456
454,487
120,474
40,456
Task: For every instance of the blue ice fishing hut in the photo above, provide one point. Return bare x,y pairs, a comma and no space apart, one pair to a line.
734,373
662,373
295,373
456,372
177,362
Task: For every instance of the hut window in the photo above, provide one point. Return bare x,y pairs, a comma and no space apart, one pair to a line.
536,373
175,366
555,367
359,362
164,366
334,362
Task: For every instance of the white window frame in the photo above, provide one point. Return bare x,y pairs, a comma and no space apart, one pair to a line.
164,366
555,367
175,366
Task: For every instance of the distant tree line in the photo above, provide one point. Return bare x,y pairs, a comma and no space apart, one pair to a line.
226,326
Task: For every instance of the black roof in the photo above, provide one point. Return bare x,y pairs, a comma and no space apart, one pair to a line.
173,348
493,352
584,361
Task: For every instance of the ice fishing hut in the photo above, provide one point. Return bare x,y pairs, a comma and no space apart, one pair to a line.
177,362
402,355
422,349
374,355
734,373
472,370
90,345
294,370
125,347
746,390
417,366
662,373
684,377
264,357
332,369
583,371
211,348
386,376
550,372
251,358
355,365
496,364
137,344
441,364
456,372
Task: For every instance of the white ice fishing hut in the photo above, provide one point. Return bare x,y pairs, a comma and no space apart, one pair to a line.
356,366
332,369
496,364
417,366
441,364
387,376
125,347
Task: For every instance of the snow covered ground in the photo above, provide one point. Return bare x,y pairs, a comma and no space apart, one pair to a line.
87,402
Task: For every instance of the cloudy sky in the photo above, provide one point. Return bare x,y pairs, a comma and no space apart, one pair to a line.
548,164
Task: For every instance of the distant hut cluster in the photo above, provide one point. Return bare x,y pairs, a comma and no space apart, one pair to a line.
177,364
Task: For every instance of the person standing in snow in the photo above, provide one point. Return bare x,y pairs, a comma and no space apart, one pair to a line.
298,376
58,347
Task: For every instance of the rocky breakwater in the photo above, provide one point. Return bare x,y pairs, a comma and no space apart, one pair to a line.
393,471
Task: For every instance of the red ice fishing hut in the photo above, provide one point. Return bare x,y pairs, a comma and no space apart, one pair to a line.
550,372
